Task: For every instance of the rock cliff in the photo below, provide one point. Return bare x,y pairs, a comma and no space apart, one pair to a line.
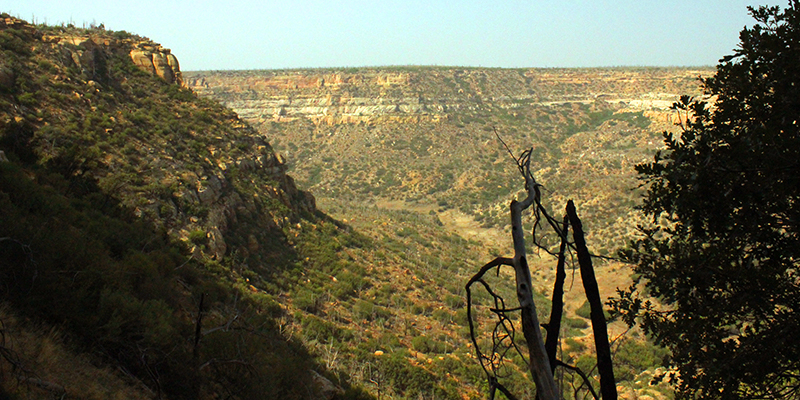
89,51
417,94
324,98
157,60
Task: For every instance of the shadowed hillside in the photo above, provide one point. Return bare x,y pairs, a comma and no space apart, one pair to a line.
141,223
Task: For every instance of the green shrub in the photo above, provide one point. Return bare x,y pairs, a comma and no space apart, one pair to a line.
634,356
409,380
425,344
198,237
315,328
584,311
306,300
369,311
27,99
443,316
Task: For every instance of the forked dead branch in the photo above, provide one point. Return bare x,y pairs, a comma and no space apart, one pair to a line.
541,357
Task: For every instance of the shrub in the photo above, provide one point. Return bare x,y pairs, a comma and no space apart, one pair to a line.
198,237
425,344
306,300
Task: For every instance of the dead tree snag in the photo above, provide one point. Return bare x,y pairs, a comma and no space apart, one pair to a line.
537,356
608,386
541,357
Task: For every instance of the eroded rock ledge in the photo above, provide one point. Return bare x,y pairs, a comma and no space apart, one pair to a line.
157,60
90,52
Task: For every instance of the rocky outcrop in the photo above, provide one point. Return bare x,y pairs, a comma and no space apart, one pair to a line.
16,23
153,58
229,208
324,98
332,110
325,389
90,52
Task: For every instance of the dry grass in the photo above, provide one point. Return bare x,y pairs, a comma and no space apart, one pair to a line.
39,363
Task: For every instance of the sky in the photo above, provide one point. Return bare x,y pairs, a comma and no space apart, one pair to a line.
266,34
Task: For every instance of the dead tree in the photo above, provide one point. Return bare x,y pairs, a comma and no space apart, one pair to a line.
608,385
541,358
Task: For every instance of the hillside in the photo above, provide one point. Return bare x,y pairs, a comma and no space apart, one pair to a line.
152,244
139,223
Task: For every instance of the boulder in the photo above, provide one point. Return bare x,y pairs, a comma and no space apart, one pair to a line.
143,59
157,61
326,390
162,68
173,62
216,244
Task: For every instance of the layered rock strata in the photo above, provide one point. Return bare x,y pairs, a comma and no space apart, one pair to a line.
414,95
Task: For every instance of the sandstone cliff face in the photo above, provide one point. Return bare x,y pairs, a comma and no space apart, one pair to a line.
157,60
374,96
90,53
324,98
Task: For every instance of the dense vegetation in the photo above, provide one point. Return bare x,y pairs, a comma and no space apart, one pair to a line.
721,249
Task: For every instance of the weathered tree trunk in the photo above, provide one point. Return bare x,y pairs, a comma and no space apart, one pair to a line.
196,347
539,360
557,309
608,385
541,355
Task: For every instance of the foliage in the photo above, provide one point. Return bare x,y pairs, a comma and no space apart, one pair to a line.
721,250
631,356
115,285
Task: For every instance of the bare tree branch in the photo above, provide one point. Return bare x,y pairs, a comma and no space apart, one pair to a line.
582,375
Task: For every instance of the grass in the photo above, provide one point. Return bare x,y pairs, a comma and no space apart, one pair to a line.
44,365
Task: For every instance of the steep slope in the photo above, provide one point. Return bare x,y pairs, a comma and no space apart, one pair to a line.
142,222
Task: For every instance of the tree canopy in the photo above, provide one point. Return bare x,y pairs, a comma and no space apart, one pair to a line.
720,251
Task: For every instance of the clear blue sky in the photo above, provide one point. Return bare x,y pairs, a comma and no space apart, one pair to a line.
266,34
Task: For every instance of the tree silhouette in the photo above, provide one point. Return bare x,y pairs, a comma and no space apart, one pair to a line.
721,249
